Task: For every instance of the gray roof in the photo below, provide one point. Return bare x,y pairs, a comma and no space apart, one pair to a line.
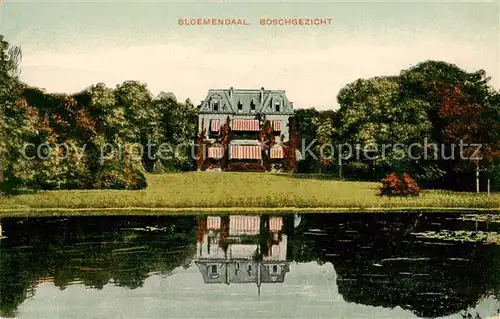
228,275
240,101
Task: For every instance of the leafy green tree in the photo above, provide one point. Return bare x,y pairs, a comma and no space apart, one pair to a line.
435,105
177,124
375,113
17,122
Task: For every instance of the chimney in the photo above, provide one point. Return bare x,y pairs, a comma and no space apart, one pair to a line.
231,95
262,95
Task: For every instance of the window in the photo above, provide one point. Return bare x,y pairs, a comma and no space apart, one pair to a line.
275,268
213,269
252,106
213,272
216,105
277,106
240,106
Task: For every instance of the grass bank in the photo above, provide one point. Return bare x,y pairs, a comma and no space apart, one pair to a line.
198,192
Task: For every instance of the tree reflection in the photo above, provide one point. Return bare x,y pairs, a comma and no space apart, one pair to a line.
379,263
92,251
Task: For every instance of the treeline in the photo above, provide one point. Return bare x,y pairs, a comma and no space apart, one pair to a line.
444,111
435,105
86,140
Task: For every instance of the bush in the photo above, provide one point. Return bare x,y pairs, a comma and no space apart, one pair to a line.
120,173
116,179
399,185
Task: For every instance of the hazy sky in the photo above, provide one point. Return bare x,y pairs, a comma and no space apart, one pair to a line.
69,45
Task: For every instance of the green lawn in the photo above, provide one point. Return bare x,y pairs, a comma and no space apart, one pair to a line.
211,191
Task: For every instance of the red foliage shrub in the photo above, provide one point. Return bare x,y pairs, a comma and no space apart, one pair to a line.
399,185
200,160
225,138
267,139
245,167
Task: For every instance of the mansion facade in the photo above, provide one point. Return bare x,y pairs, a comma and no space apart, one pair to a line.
245,111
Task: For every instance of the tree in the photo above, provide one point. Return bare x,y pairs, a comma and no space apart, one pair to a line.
452,96
374,113
15,57
140,113
435,105
17,123
177,127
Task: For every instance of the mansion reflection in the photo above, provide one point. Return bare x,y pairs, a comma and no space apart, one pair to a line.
242,249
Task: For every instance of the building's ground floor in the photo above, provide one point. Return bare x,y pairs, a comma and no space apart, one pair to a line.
244,143
246,155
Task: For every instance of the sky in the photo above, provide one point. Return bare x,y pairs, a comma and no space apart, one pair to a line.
70,45
309,291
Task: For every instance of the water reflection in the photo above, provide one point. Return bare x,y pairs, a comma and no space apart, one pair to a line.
242,249
379,262
377,259
88,251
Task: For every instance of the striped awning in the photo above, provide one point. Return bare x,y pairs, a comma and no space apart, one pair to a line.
244,225
275,224
215,152
245,152
276,152
214,125
213,223
277,126
245,125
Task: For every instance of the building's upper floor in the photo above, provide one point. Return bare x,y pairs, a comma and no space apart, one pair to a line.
246,101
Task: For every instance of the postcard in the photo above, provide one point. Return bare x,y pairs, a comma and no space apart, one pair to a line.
249,159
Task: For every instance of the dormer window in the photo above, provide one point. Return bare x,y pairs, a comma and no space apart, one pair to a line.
240,106
277,106
216,105
252,106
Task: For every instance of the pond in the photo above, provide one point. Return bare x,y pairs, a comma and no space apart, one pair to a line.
235,266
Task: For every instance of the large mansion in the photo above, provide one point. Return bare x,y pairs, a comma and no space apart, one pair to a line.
245,111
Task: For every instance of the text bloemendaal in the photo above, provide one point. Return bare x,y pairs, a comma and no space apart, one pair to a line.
213,21
300,21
